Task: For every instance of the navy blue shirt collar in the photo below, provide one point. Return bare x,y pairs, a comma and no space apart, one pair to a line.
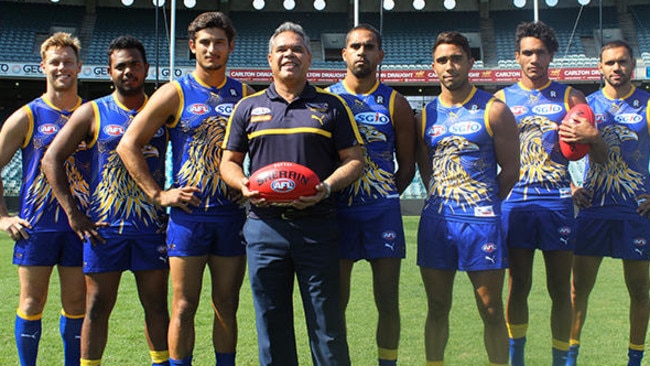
308,92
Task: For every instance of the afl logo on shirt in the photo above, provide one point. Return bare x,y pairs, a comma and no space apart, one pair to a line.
48,129
114,130
547,109
198,109
518,110
465,128
436,131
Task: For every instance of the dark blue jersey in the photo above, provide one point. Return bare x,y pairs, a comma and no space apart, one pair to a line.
544,180
461,150
116,198
373,113
623,124
38,205
196,137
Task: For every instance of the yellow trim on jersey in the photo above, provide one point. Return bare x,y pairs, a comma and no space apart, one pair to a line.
501,95
225,137
391,106
467,99
372,90
647,115
30,128
289,131
244,90
353,122
93,140
423,120
567,100
28,317
621,98
486,116
51,105
225,79
521,85
122,106
181,104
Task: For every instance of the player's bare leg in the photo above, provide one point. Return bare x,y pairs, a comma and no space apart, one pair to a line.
636,280
488,287
439,285
585,271
152,291
385,275
100,300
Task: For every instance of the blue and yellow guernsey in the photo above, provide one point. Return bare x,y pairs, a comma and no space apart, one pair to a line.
623,124
38,205
543,177
464,168
196,136
373,113
116,198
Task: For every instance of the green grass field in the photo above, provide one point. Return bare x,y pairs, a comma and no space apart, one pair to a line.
604,340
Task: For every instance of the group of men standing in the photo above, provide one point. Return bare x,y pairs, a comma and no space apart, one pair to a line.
93,200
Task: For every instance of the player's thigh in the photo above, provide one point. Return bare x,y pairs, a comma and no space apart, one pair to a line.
187,278
227,275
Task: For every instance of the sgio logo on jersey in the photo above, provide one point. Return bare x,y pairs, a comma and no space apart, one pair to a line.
372,118
628,118
547,109
224,109
465,128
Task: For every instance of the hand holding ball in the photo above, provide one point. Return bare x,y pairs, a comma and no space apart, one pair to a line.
283,182
576,151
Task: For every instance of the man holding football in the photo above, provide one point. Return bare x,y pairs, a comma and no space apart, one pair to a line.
292,121
614,202
538,213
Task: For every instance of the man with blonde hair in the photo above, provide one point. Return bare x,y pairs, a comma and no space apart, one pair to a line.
41,230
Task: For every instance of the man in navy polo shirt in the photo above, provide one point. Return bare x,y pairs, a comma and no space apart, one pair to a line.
293,121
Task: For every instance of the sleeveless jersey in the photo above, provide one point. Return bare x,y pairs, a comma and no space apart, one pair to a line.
116,198
544,179
623,124
461,149
196,136
373,113
38,205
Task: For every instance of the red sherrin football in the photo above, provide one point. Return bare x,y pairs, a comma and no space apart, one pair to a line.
283,182
575,151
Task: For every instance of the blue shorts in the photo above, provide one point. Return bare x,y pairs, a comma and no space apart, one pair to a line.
49,249
623,239
371,232
461,245
125,252
221,237
543,229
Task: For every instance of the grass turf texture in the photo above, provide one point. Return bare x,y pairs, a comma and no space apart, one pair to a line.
604,337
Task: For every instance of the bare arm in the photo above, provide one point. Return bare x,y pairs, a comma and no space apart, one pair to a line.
12,135
232,172
404,124
506,146
349,170
80,127
422,154
584,132
161,108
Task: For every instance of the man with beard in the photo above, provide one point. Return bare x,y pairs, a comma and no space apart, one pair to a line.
42,233
126,226
368,210
615,199
538,213
206,217
464,134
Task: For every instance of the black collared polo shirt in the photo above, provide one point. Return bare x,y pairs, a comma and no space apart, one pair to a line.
309,130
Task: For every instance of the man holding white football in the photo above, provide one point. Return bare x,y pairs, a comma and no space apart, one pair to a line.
614,202
292,121
538,212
